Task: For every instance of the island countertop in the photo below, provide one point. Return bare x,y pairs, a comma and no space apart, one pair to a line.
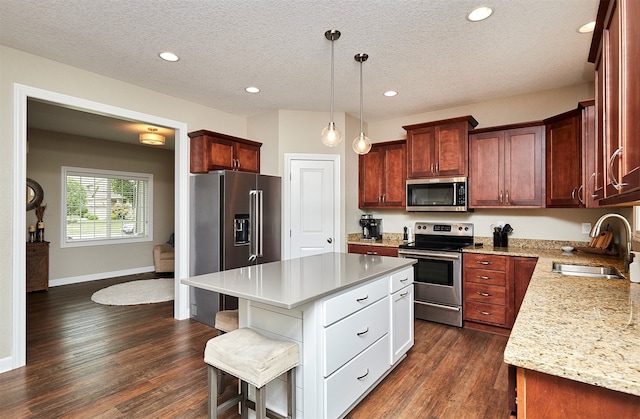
294,282
582,329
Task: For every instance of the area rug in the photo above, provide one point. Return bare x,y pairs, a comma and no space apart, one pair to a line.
136,292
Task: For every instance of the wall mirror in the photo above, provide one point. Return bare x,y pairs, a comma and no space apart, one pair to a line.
34,194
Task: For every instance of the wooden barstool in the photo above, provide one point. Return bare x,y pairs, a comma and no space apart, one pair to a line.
254,359
226,321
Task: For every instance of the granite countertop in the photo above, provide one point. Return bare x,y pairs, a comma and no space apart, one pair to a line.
388,240
294,282
582,329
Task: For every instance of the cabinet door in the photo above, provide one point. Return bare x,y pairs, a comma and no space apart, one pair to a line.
523,160
611,46
370,175
452,149
401,322
590,154
630,95
564,162
599,180
486,169
394,175
421,152
247,158
221,154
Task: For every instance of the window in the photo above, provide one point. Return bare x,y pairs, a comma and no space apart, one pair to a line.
105,207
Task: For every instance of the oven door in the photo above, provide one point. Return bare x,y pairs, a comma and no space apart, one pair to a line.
437,276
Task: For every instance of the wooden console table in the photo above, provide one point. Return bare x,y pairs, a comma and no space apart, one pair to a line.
37,266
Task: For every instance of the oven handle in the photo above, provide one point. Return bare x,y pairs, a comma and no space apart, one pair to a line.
438,306
424,255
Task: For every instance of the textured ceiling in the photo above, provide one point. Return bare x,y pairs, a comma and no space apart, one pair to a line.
426,50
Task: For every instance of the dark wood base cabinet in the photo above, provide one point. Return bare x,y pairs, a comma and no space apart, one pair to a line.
37,266
548,396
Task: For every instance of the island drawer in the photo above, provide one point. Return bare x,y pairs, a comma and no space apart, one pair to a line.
490,294
485,313
340,306
400,279
347,384
350,336
479,260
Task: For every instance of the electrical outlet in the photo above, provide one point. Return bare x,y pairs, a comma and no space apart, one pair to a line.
586,228
194,309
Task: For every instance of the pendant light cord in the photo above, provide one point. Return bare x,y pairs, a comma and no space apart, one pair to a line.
332,89
361,100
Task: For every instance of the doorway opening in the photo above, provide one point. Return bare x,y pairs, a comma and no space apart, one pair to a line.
24,93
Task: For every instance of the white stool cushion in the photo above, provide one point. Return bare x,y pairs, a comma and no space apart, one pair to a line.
226,320
251,357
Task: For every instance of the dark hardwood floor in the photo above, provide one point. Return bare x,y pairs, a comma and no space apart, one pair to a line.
85,360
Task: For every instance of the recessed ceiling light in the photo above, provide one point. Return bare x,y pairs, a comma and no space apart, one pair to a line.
252,89
168,56
587,27
390,93
480,13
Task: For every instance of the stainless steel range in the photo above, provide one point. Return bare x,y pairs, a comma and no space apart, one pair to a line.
438,273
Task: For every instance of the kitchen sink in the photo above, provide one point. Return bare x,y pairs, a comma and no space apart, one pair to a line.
588,271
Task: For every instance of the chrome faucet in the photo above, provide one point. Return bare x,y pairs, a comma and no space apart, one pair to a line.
595,232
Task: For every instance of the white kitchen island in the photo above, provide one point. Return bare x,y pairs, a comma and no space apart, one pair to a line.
351,314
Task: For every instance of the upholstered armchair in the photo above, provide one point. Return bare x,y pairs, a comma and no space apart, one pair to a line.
163,257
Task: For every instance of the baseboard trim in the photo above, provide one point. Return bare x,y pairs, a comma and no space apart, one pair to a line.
100,275
6,364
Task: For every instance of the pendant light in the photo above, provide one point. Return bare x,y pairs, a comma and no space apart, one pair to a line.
362,143
331,136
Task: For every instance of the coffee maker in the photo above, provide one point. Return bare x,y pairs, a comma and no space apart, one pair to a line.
371,227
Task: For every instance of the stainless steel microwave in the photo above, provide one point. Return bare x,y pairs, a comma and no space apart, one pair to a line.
437,194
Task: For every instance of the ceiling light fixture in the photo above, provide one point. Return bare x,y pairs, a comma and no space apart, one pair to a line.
390,93
362,143
169,56
252,89
151,138
587,27
331,136
480,13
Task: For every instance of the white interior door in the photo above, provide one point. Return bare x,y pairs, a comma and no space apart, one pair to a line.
313,208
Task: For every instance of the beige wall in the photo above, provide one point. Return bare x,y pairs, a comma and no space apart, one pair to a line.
49,151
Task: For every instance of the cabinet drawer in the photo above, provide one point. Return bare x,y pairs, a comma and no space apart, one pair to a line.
344,387
492,262
348,337
352,300
490,294
485,276
373,250
401,279
485,313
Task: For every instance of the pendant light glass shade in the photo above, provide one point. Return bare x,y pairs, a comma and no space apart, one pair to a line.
362,143
331,135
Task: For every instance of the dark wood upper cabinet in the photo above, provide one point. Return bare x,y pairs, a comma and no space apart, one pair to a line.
506,166
439,148
615,51
382,175
214,151
563,161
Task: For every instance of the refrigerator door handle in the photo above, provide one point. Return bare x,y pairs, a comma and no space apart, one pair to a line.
259,228
253,206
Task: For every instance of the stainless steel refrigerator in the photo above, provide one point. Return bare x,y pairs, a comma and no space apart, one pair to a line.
235,221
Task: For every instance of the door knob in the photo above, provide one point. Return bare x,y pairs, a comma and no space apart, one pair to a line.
329,240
